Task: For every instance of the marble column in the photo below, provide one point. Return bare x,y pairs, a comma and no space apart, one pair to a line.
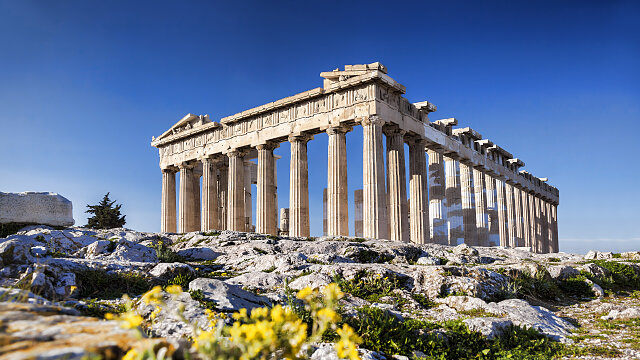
373,194
223,187
249,167
337,191
468,209
517,204
480,198
511,222
299,187
235,192
418,193
324,212
502,213
549,234
357,216
168,218
266,217
492,210
526,219
544,240
196,203
453,197
437,220
186,209
397,186
538,218
532,222
554,227
209,195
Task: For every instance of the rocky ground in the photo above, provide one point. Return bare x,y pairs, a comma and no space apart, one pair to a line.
56,285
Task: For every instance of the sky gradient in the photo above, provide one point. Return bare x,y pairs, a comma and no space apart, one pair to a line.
84,85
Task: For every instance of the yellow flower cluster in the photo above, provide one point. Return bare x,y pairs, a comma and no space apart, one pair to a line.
279,330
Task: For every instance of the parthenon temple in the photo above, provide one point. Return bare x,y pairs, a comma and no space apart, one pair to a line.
461,187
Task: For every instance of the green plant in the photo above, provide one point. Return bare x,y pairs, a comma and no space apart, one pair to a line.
271,269
623,276
576,286
370,286
105,215
198,296
182,279
260,251
165,254
211,233
99,284
423,300
98,308
370,256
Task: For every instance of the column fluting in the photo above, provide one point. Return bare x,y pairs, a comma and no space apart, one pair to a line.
453,202
185,208
480,206
337,190
235,191
299,187
373,178
223,198
396,187
492,211
209,195
468,201
437,220
266,218
418,192
168,218
502,213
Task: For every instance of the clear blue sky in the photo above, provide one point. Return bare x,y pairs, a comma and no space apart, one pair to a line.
85,84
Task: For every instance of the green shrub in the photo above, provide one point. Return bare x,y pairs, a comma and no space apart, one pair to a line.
423,300
198,296
623,276
367,256
576,286
96,308
98,284
370,286
181,279
165,254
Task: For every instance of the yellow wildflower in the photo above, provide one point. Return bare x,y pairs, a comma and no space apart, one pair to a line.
328,315
131,320
72,288
305,293
332,292
155,312
131,355
153,296
109,316
346,347
174,289
240,315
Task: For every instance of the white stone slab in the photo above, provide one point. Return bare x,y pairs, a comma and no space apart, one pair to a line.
36,208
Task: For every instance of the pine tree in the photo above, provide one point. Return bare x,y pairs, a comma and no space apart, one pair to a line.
105,215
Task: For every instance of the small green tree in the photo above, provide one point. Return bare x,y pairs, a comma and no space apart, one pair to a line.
105,215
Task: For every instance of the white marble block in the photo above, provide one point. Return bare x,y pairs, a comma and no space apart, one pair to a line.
41,208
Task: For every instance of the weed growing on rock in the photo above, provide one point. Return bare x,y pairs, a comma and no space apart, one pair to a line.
271,269
624,277
576,286
211,233
198,296
99,284
370,286
181,280
165,254
423,300
97,308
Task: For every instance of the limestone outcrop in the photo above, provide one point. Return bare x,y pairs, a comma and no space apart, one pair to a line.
35,208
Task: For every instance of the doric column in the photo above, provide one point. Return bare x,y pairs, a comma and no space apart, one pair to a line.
209,195
324,212
168,218
397,186
437,218
453,198
357,216
526,219
511,221
468,210
223,199
299,187
549,222
249,167
517,204
492,210
502,213
235,192
337,191
480,202
538,223
266,217
544,240
418,192
532,222
186,208
554,227
373,194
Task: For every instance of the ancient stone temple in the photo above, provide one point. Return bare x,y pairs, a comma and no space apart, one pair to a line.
461,186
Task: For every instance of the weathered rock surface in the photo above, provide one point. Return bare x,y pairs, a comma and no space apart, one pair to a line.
35,208
227,297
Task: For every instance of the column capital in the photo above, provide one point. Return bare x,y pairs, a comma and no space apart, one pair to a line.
415,139
236,152
216,158
393,130
186,165
169,169
269,145
372,120
300,137
339,129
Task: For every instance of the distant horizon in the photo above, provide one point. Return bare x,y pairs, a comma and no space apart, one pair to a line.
86,85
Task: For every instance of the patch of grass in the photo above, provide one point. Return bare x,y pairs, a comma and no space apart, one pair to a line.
99,284
381,331
97,308
623,276
358,240
273,237
271,269
540,285
211,233
554,259
57,254
316,261
165,254
260,251
367,256
423,300
182,279
576,286
370,286
591,350
198,296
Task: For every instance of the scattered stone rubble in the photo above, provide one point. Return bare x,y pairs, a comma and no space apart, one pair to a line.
245,270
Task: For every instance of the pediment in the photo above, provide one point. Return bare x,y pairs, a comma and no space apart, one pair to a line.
188,122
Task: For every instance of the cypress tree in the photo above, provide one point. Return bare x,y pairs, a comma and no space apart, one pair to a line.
105,215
